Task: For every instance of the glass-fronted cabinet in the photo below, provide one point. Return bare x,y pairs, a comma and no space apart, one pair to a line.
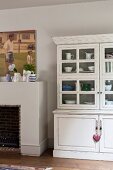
81,59
78,93
85,76
78,76
68,60
106,75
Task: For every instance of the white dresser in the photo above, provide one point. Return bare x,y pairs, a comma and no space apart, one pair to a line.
83,120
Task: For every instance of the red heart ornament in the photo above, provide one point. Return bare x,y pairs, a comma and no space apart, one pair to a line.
96,137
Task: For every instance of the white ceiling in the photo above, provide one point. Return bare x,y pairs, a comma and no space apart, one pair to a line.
11,4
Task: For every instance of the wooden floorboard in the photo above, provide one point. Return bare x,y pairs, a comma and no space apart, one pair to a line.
47,160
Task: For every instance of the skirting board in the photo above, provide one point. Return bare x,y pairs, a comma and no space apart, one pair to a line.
83,155
34,150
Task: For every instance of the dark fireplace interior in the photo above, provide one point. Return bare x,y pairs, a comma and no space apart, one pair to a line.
9,126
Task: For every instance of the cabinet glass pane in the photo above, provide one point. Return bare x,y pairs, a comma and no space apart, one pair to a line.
87,85
109,53
87,99
109,67
69,99
88,67
86,54
69,85
108,85
108,99
69,54
68,67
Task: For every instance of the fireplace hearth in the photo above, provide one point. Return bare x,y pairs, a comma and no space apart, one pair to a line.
10,126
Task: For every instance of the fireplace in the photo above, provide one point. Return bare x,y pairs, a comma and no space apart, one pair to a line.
10,126
29,100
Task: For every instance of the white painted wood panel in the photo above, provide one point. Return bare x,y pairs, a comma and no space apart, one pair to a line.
106,142
75,132
33,109
98,38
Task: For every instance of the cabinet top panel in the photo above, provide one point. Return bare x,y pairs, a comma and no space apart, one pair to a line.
98,38
82,112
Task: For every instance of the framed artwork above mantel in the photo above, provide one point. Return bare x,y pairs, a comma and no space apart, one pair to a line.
17,48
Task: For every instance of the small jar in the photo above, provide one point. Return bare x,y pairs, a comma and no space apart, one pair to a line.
8,78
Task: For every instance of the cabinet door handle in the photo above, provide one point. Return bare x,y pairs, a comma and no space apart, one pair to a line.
100,127
96,127
96,136
99,92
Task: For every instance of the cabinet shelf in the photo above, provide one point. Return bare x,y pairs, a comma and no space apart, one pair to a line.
86,72
109,60
108,92
69,92
86,92
69,61
86,61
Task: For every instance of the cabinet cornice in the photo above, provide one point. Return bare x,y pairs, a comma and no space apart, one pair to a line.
98,38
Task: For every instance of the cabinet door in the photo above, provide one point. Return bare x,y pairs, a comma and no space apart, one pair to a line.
106,141
78,94
88,60
78,76
78,60
67,93
106,96
66,60
75,132
106,75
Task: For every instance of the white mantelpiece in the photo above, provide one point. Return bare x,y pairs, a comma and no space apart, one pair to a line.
32,99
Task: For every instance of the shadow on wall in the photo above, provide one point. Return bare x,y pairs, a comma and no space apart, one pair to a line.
50,76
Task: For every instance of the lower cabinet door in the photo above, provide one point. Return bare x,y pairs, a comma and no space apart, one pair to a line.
106,142
75,132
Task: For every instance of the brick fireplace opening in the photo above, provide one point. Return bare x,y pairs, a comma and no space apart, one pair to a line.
9,127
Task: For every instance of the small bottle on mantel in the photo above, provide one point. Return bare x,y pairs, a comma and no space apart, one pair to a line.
24,76
8,78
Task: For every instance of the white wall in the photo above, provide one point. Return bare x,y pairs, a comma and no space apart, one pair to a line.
83,18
